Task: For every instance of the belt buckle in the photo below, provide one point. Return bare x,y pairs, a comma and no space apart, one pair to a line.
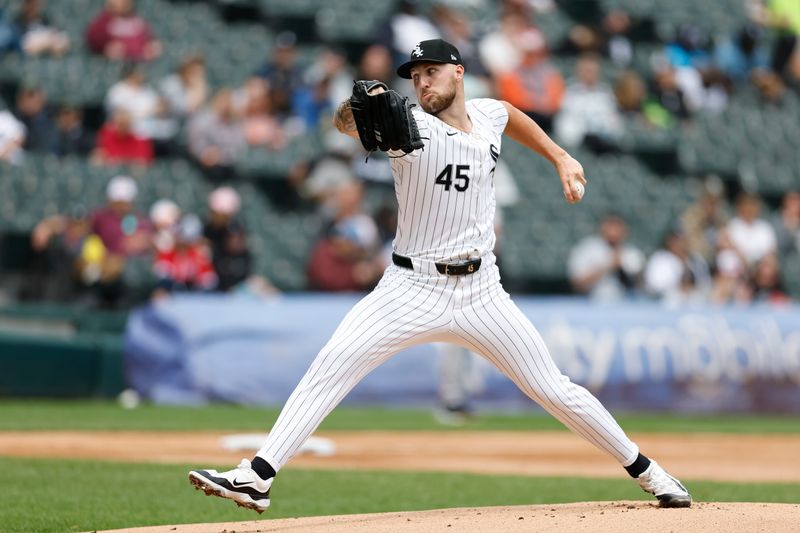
447,269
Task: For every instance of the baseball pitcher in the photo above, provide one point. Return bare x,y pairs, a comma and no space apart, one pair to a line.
443,285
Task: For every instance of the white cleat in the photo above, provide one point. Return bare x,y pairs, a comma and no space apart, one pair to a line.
242,485
669,491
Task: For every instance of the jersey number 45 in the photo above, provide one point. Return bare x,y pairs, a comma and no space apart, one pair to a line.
446,177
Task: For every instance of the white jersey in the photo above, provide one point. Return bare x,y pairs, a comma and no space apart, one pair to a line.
445,191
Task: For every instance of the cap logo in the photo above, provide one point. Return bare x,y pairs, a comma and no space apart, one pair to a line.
453,57
417,51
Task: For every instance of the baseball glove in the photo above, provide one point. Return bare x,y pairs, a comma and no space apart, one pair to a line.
384,121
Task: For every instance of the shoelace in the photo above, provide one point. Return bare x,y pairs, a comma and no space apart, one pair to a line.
245,465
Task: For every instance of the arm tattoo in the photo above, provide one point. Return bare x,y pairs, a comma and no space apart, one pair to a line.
343,118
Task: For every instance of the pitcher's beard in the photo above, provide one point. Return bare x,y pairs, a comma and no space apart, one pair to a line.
438,103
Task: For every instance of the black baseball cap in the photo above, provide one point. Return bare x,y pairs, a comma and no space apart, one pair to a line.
433,51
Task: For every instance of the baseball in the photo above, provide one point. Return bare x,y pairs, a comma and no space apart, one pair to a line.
577,189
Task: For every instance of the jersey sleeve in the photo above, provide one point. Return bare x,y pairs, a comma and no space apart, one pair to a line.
421,118
495,112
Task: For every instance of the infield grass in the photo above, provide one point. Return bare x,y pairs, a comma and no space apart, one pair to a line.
82,415
49,495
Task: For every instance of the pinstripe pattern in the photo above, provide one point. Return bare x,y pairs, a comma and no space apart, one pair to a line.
441,225
411,307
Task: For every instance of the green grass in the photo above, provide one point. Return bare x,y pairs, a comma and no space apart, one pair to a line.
85,495
83,415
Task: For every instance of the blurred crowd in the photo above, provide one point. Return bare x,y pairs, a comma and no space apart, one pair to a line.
711,254
82,256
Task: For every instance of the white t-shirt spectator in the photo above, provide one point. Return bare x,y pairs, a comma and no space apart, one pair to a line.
12,135
665,272
593,254
586,110
754,240
144,105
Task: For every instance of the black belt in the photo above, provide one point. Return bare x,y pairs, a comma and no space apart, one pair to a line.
449,269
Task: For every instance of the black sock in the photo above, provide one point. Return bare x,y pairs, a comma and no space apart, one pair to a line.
638,466
262,468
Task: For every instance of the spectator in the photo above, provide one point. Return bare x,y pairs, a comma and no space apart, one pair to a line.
71,137
347,258
123,232
186,90
327,82
618,28
535,86
32,111
332,65
669,94
10,40
630,92
57,243
767,285
702,221
589,112
742,53
186,266
117,144
235,265
731,274
282,73
456,28
604,266
702,84
12,138
261,126
119,33
751,235
787,224
634,104
223,207
327,175
689,48
376,64
674,275
498,49
235,268
612,34
164,216
405,28
216,137
38,36
784,17
149,112
232,259
118,234
770,87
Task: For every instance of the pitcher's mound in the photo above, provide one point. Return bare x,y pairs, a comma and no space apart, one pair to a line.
606,517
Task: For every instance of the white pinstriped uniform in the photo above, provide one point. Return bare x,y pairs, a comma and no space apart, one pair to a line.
441,223
443,218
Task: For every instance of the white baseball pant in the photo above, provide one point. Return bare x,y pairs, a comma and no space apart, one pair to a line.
408,308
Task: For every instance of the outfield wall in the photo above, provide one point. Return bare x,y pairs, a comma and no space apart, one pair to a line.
636,355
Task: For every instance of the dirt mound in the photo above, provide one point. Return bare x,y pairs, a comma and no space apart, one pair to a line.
607,517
